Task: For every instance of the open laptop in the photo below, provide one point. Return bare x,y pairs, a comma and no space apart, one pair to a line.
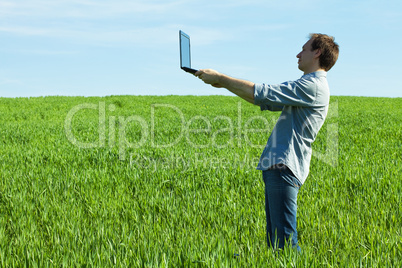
185,53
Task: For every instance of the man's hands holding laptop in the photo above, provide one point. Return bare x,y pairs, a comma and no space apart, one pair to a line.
240,87
210,77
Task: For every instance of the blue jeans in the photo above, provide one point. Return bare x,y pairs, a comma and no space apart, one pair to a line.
281,189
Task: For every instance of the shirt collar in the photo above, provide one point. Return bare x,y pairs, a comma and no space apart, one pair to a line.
317,74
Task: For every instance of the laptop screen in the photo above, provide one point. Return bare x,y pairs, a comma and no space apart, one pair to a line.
185,58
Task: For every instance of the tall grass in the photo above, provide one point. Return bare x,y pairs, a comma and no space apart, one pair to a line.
171,182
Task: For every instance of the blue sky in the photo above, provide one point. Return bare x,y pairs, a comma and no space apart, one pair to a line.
121,47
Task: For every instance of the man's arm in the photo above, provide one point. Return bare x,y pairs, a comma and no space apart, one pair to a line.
242,88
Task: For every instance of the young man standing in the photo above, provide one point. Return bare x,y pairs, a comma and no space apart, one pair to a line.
285,160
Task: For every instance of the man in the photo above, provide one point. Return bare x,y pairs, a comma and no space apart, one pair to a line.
285,160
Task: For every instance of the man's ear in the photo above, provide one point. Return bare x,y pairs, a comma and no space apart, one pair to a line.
317,53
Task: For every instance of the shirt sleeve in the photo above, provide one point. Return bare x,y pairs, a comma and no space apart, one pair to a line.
272,108
301,93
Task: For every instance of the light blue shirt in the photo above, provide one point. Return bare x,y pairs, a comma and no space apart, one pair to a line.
304,105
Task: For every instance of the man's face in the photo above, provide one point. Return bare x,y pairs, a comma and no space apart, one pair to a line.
306,57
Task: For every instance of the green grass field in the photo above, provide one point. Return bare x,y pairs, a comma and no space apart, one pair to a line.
170,181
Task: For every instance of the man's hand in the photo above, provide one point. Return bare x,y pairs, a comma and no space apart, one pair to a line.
241,88
210,77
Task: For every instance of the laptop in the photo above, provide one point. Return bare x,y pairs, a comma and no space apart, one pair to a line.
185,53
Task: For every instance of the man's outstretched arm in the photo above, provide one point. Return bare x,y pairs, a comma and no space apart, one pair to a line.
242,88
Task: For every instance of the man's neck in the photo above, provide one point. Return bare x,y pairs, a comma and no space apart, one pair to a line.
314,70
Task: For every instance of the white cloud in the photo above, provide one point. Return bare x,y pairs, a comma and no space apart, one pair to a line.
9,81
97,22
24,30
124,22
82,8
105,23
